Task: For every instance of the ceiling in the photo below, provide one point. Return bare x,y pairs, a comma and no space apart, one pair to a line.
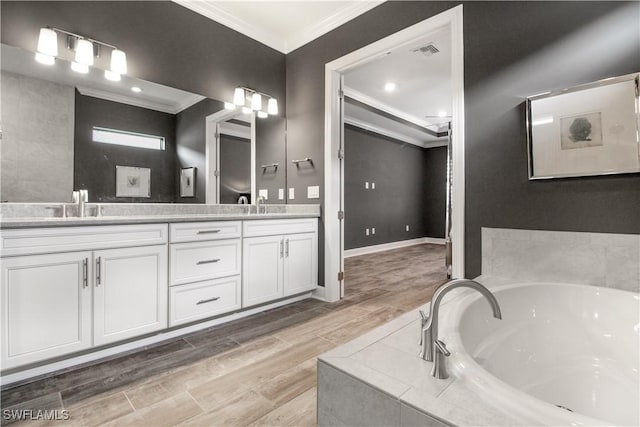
281,25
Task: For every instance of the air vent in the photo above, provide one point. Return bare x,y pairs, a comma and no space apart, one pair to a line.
427,50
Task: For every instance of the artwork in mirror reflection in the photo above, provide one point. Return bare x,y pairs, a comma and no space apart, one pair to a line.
50,116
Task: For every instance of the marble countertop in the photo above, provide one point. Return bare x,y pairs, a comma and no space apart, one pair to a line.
386,358
43,215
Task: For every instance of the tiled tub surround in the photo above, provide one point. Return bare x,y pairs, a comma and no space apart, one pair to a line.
378,379
600,259
14,215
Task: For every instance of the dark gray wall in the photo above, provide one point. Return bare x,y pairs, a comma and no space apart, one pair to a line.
271,148
409,189
235,168
191,143
512,50
95,163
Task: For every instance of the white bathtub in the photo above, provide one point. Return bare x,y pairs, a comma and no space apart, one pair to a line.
557,344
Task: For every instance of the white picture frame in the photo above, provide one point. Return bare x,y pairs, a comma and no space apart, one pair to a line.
586,130
133,182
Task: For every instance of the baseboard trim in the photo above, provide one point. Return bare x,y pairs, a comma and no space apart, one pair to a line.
44,370
393,245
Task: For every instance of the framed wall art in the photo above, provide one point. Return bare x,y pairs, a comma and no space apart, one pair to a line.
133,182
586,130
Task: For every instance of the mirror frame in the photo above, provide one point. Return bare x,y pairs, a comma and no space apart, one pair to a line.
212,154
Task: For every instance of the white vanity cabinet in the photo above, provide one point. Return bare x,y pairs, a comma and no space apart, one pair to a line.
46,306
279,259
69,289
205,267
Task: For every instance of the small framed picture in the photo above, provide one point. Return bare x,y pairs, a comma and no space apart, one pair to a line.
591,129
133,181
188,182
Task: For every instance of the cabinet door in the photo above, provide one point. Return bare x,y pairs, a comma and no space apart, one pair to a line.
300,263
46,306
262,269
130,292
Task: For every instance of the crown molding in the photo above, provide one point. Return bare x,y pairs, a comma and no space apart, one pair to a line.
221,16
384,132
137,102
332,22
275,41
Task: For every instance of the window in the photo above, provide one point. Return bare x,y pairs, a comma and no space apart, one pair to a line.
130,139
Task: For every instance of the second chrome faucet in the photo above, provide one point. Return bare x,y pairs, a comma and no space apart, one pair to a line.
431,348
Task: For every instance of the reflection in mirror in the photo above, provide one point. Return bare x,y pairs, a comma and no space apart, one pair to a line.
50,116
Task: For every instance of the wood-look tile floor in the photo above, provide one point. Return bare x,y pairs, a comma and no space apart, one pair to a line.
259,371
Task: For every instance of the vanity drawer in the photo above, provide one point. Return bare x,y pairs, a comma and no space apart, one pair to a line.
196,261
272,227
200,231
204,299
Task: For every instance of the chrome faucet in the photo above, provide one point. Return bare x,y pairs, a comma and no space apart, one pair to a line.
81,197
434,350
260,202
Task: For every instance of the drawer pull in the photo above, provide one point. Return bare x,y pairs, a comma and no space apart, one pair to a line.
208,261
204,301
208,231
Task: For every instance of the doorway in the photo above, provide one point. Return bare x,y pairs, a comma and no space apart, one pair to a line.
450,20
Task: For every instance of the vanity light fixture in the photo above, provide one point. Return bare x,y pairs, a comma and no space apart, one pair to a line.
86,49
240,96
229,106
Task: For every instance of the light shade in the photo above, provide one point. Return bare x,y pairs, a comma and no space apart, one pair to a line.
45,59
118,62
256,102
79,68
272,106
48,42
110,75
84,52
238,96
229,106
262,114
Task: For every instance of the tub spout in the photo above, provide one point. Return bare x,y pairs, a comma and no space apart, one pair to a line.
429,336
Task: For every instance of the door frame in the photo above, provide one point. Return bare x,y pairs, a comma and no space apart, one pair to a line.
334,199
212,154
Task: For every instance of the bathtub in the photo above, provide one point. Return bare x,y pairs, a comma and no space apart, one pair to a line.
561,355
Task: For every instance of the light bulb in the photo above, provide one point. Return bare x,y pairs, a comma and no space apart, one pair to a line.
79,68
272,106
45,59
118,62
256,102
229,106
262,114
84,52
48,42
110,75
238,96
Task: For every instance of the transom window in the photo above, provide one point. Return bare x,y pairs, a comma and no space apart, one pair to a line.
130,139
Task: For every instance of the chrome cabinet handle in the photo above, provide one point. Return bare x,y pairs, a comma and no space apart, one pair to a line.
85,272
281,248
208,261
286,252
204,301
208,231
98,274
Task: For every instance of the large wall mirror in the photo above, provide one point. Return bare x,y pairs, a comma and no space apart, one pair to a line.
63,131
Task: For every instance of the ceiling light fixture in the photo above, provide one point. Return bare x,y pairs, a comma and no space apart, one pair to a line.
86,49
240,96
390,87
136,89
442,113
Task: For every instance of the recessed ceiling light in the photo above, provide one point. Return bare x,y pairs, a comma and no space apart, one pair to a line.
136,89
442,113
390,87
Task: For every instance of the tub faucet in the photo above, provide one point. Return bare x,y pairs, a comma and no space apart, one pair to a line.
434,350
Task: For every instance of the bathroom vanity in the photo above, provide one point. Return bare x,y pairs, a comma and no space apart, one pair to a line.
72,286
